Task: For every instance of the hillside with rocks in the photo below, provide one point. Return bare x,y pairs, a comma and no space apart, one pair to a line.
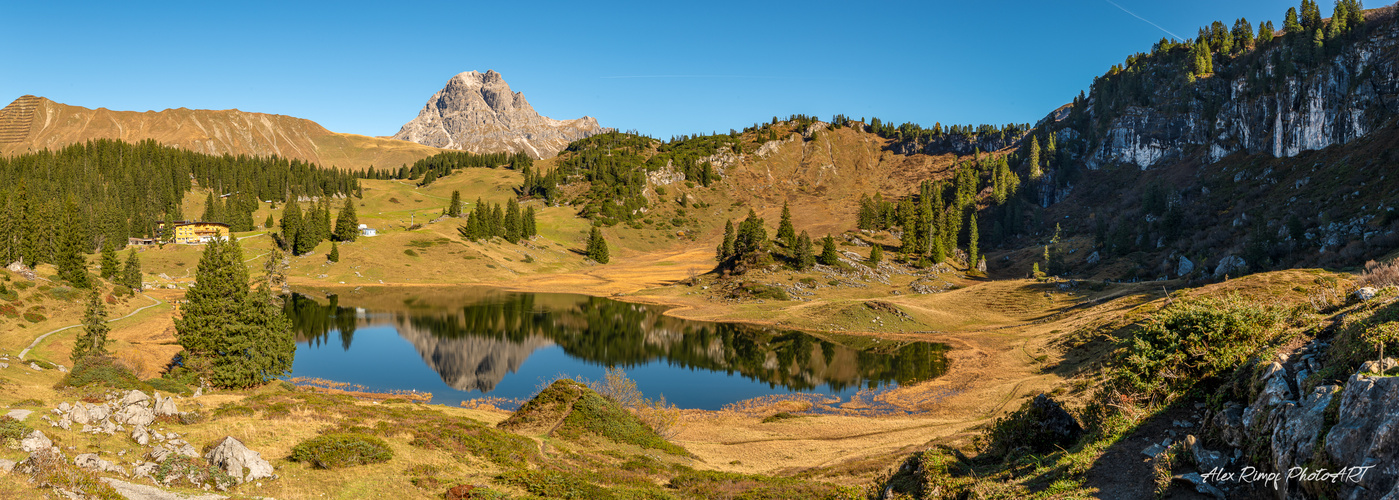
478,112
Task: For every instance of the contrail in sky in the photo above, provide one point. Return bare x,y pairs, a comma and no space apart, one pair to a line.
1124,9
691,76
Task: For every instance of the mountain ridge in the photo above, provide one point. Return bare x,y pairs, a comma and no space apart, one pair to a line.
32,123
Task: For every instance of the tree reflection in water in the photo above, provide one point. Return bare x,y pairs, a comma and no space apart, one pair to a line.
475,345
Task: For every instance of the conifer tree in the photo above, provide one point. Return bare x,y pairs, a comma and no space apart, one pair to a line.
212,209
471,230
93,340
238,339
454,208
497,221
785,232
291,224
1290,23
267,224
1034,159
828,251
530,229
1265,33
334,255
876,255
806,255
972,237
274,272
512,221
69,248
597,247
726,247
347,222
110,264
131,272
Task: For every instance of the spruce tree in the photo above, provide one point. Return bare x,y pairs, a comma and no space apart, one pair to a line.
1034,159
93,340
972,237
334,255
512,221
257,347
472,229
131,272
726,247
291,224
212,209
497,221
530,229
828,251
806,255
347,222
750,236
876,255
72,266
785,232
597,247
267,224
214,303
454,208
1290,23
110,264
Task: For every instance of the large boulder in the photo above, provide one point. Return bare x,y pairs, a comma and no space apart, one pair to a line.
239,461
166,407
1230,264
1366,434
134,397
1298,427
35,441
135,415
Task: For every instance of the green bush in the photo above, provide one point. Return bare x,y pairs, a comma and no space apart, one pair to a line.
714,484
342,450
409,252
555,484
102,370
1195,341
33,317
12,429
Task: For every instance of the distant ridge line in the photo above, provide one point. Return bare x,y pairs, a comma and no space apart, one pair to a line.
15,119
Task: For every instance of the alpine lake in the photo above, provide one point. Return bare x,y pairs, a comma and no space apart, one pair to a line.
471,343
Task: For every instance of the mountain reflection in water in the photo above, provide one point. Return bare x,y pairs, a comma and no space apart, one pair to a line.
475,345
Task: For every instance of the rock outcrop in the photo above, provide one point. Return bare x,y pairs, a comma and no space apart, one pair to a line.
238,461
478,112
1253,105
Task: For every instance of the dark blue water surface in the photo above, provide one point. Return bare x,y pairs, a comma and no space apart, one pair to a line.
508,345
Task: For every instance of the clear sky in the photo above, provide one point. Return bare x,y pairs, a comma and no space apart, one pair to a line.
659,67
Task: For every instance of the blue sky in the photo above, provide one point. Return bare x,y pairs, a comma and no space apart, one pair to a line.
661,68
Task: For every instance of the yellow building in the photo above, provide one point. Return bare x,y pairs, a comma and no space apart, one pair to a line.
198,233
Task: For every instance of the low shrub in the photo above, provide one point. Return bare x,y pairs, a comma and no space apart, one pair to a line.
1193,342
50,470
409,252
555,484
342,450
193,470
33,317
105,371
782,415
714,484
12,429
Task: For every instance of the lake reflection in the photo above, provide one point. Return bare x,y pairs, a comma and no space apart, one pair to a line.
505,344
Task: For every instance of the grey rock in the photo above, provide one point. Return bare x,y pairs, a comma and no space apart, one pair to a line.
133,491
1184,267
98,412
166,407
135,415
79,414
145,469
108,427
4,366
1365,293
1367,433
1297,428
63,407
36,367
1200,484
35,441
235,458
19,415
7,465
65,423
140,435
1205,458
1230,264
91,462
134,397
478,112
1154,450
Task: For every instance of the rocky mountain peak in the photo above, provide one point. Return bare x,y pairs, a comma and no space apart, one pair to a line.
478,112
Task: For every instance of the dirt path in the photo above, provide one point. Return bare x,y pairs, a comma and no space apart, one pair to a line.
36,341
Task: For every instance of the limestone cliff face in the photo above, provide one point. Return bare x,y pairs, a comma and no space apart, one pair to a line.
478,112
1263,109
